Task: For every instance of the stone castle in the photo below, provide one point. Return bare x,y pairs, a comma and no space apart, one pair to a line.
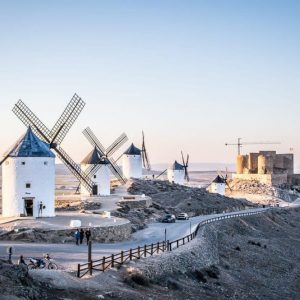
267,167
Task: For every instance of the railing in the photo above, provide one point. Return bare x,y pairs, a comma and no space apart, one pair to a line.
114,260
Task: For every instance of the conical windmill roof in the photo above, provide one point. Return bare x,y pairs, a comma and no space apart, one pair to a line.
93,158
177,166
133,150
219,179
30,146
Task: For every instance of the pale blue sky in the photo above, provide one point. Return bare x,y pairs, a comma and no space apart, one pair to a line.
192,74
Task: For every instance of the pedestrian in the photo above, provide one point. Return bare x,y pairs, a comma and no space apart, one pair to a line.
77,236
81,235
21,261
40,214
88,235
10,252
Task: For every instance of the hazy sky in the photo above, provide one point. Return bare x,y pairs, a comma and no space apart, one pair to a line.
192,74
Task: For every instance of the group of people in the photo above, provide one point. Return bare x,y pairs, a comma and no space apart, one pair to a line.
80,234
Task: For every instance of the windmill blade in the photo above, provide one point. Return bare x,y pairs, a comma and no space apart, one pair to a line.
228,186
183,162
116,170
28,118
145,158
187,159
67,119
75,169
93,140
92,170
120,141
161,173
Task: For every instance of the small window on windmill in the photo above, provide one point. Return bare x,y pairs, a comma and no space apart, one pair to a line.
45,163
95,176
28,185
23,163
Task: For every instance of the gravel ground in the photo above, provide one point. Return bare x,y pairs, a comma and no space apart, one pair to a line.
255,257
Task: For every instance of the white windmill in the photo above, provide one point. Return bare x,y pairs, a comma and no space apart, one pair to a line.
28,179
99,164
178,173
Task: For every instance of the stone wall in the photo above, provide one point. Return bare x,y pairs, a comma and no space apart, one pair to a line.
134,202
269,179
104,234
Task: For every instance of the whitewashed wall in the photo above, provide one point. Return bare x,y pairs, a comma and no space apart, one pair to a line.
218,188
176,176
132,166
102,181
41,178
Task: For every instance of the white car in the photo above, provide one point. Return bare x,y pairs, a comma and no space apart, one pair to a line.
183,216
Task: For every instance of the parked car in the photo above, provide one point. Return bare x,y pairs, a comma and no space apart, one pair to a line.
183,216
168,219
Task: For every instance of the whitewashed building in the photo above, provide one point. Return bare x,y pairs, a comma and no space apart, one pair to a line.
132,162
28,179
218,186
101,178
176,173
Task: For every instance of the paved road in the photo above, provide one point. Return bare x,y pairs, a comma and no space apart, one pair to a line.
69,255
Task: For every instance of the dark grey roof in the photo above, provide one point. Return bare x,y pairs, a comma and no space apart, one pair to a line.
93,158
30,146
177,166
219,179
104,161
132,150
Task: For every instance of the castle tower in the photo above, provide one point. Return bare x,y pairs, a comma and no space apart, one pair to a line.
28,179
176,173
101,178
132,162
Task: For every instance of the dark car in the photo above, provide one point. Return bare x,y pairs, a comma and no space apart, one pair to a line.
183,216
168,219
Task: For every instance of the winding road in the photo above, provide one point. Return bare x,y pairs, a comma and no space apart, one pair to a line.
69,255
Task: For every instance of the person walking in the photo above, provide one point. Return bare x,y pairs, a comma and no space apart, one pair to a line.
77,236
88,235
40,214
21,261
81,235
10,252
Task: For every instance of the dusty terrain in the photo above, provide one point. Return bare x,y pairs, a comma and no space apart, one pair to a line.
249,258
261,193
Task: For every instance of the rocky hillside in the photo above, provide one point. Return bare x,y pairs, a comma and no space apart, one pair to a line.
255,257
176,198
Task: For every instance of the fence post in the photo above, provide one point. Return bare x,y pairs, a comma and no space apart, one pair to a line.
145,251
183,240
139,252
168,245
130,254
103,263
157,247
112,261
78,270
177,243
151,249
122,257
163,248
90,264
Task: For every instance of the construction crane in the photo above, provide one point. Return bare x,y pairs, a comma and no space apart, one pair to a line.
239,144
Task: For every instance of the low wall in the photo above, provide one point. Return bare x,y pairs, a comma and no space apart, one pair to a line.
104,234
134,202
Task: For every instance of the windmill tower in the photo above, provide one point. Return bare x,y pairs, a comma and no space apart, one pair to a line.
99,164
218,186
28,179
132,162
178,173
55,136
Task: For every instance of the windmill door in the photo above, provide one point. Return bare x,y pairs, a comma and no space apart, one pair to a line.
28,205
95,190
